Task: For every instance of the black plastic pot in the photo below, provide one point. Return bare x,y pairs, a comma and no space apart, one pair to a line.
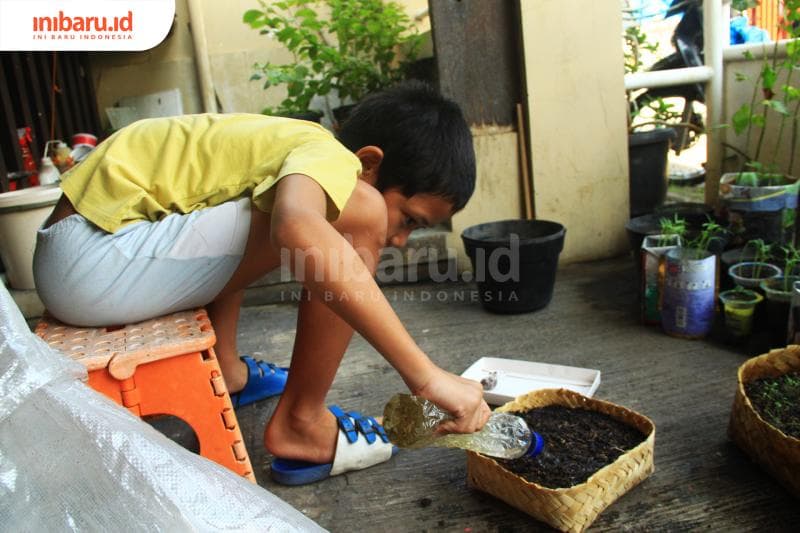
695,214
766,225
514,263
647,167
778,303
639,227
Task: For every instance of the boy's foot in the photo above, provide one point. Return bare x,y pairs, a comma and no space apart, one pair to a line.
263,381
361,443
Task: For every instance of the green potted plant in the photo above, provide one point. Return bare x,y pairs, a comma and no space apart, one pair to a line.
739,305
764,420
749,274
573,502
760,189
654,249
339,47
690,285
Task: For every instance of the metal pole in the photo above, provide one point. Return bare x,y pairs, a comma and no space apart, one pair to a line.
667,78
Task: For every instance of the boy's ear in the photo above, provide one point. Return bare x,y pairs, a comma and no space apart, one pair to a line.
371,158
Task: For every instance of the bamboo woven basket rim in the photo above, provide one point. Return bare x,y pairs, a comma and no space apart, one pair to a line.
763,366
561,396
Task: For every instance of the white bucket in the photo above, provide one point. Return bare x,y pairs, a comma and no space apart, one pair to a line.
22,213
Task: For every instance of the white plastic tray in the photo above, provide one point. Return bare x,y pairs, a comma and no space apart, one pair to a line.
515,378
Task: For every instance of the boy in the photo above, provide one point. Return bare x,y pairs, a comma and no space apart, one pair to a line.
179,212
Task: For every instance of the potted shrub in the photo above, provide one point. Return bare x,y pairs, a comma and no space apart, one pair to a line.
568,485
761,196
339,47
690,285
765,419
778,293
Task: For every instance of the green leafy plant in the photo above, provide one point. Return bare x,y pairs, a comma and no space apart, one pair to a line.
670,227
770,102
777,399
791,258
350,47
647,113
636,44
709,232
762,252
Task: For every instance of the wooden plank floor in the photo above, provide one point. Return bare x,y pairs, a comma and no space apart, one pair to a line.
702,481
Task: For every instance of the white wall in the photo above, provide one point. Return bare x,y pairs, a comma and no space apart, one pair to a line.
497,190
576,100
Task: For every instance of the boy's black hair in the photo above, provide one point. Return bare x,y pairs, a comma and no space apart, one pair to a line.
426,143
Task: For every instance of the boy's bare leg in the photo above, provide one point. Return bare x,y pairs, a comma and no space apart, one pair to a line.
301,426
258,259
224,315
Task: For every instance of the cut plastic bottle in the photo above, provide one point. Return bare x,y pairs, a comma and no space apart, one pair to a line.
411,422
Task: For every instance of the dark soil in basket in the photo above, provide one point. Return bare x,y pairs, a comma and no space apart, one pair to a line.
777,400
578,443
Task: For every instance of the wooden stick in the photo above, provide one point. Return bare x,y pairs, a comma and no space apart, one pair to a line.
527,191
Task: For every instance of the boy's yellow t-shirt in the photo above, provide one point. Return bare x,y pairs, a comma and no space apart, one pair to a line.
156,167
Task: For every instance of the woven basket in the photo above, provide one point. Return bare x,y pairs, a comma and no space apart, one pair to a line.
572,508
771,448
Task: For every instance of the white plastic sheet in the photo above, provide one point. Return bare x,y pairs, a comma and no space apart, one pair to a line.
70,459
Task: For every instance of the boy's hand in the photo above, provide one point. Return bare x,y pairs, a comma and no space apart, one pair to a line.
462,398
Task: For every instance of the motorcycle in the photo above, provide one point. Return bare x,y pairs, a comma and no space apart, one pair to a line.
687,39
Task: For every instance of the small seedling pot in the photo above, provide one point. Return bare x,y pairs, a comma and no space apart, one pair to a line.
772,449
750,274
569,508
739,307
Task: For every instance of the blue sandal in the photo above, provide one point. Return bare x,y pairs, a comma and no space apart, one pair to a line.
361,443
263,380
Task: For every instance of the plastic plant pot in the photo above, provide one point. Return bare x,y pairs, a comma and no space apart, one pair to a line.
514,263
647,168
689,293
739,306
654,248
750,274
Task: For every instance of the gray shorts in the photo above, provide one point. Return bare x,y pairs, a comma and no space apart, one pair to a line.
86,276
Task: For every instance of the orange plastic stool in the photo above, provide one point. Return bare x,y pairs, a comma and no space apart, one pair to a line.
164,366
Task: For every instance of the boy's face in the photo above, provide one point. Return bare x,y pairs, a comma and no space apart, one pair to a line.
405,214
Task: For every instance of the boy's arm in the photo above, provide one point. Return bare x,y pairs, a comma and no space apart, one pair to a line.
336,273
